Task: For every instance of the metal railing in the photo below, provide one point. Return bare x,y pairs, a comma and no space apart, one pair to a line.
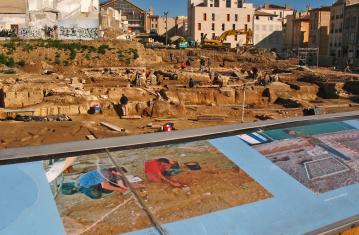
79,148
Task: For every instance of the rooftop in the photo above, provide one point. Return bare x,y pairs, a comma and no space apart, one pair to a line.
261,13
273,6
323,8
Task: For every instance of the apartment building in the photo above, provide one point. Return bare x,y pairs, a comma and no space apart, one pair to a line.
269,21
336,28
181,26
112,21
267,30
350,37
296,30
281,11
135,16
159,24
211,18
319,29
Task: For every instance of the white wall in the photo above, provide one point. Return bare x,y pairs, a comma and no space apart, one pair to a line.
6,20
268,32
36,5
74,8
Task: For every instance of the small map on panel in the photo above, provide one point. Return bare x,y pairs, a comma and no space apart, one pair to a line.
323,157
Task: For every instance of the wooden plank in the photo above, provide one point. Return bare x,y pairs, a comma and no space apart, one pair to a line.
165,119
131,117
208,86
90,137
112,127
210,118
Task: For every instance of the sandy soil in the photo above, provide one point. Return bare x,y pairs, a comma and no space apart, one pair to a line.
20,134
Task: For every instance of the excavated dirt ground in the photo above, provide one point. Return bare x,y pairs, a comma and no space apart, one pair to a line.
219,185
95,73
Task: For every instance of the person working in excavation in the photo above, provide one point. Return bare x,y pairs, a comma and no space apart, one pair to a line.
123,103
96,182
155,169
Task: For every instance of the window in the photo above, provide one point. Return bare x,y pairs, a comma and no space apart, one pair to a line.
353,22
236,37
213,27
199,26
257,17
314,40
239,3
213,36
228,3
213,17
236,17
281,15
223,27
216,3
228,17
234,26
205,16
271,18
248,18
245,27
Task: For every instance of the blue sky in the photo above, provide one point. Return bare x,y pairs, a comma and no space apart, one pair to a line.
179,7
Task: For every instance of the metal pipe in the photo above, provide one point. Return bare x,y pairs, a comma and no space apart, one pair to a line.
152,218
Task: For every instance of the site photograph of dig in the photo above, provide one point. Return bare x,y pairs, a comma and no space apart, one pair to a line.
179,117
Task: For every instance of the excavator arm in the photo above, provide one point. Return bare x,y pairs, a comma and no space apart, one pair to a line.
248,33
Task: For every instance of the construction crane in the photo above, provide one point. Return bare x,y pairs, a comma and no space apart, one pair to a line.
219,43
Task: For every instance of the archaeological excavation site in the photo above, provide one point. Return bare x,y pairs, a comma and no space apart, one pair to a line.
71,90
186,117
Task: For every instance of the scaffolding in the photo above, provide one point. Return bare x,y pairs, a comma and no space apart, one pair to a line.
304,54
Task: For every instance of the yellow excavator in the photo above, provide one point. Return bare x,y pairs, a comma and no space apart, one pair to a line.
219,43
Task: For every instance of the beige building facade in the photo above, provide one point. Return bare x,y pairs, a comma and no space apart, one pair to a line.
319,29
112,21
296,30
174,25
159,24
211,18
135,16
